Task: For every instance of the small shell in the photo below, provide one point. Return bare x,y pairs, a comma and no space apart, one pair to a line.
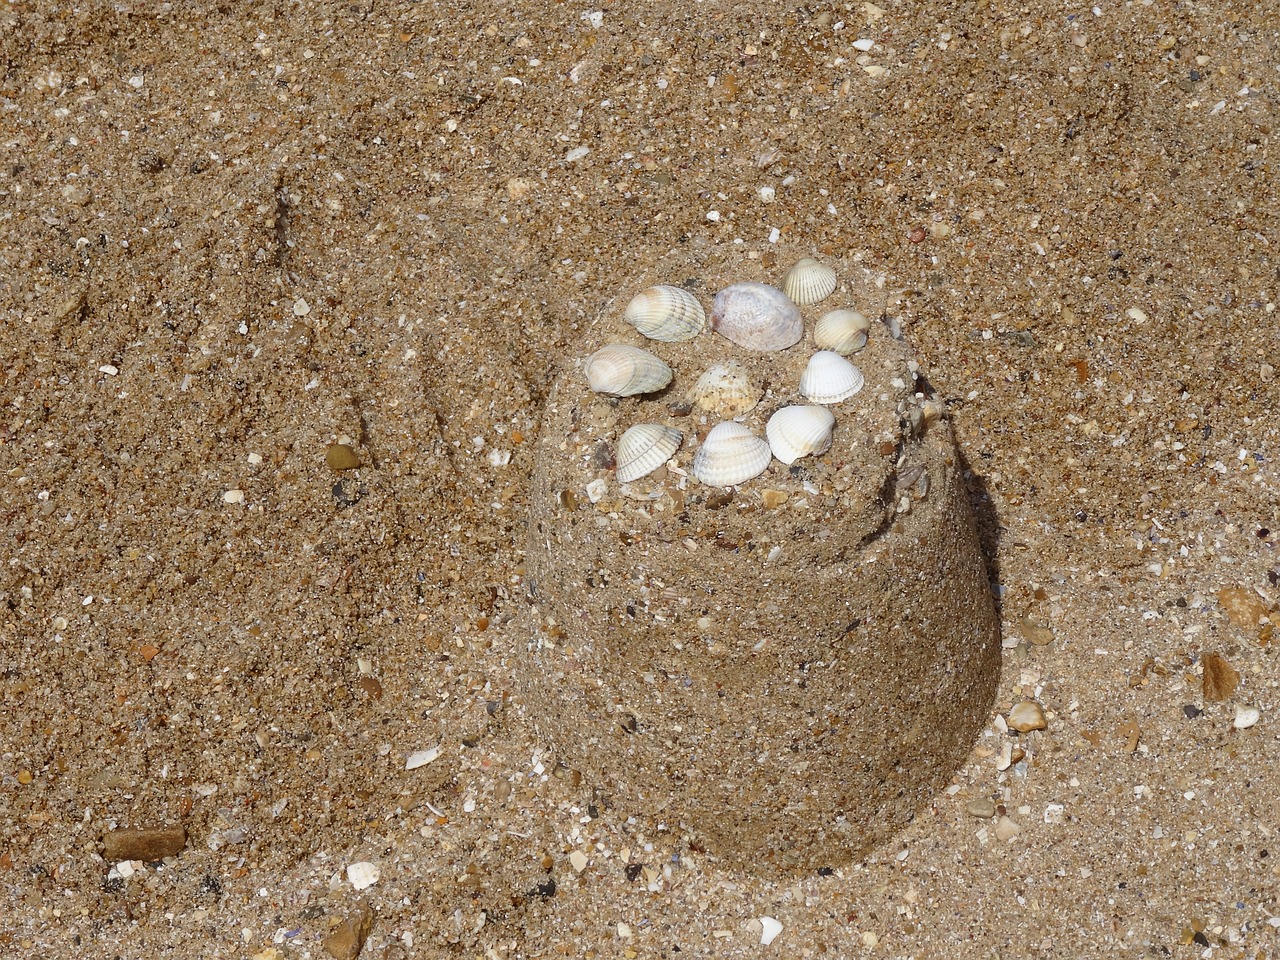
644,448
844,331
796,432
666,313
731,454
809,282
756,316
624,371
726,390
830,378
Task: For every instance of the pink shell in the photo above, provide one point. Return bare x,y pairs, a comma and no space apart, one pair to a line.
757,316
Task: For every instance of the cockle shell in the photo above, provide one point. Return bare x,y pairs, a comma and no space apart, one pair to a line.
844,331
666,313
726,390
756,316
796,432
809,282
644,448
830,378
731,454
624,371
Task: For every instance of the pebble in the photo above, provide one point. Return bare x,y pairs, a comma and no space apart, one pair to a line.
233,496
769,930
1220,678
1246,716
147,844
984,808
1243,607
578,860
1035,634
1027,716
363,874
347,939
341,456
1006,829
420,758
772,499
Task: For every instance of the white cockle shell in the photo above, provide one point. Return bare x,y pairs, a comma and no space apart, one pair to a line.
731,454
726,390
809,281
799,431
625,371
666,313
830,378
756,316
644,448
844,331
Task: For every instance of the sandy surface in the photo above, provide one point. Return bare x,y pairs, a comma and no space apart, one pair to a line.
232,235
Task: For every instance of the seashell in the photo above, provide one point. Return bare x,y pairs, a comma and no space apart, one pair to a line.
623,371
644,448
809,281
731,454
844,331
756,316
726,390
666,313
830,378
796,432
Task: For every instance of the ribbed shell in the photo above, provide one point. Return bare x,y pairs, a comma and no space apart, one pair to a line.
844,331
756,316
731,454
625,371
666,313
830,378
796,432
809,281
644,448
726,390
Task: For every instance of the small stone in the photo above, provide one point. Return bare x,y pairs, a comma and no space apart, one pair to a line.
1243,607
772,499
1246,716
1027,716
301,308
1006,829
1220,678
420,758
233,496
341,456
1035,634
363,874
25,777
518,188
769,930
984,808
146,844
578,860
347,939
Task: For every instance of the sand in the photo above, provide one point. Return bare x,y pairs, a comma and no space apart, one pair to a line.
232,235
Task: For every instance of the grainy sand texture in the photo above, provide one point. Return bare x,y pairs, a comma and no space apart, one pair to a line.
283,290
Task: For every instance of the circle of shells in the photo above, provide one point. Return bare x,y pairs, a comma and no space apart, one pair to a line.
757,317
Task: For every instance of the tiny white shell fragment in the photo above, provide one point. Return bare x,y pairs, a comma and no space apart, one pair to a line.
809,281
625,371
842,331
666,313
799,431
756,316
420,758
731,454
596,489
830,378
1246,716
769,930
726,390
233,496
363,874
578,860
643,449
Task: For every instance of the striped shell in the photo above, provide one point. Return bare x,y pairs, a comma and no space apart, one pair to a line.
731,454
796,432
830,378
844,331
756,316
623,371
644,448
726,390
669,314
809,282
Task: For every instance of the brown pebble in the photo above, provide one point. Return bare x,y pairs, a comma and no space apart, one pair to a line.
371,686
772,499
148,844
1242,606
984,808
1027,716
348,937
1035,634
341,457
1220,678
1006,829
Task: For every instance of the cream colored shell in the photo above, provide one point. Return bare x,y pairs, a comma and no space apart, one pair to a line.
809,282
726,390
625,371
830,378
666,313
730,455
643,449
799,431
756,316
842,331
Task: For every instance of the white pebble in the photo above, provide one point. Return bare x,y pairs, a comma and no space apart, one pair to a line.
864,45
769,929
596,490
363,874
578,860
301,308
577,153
1246,716
109,370
421,758
233,496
